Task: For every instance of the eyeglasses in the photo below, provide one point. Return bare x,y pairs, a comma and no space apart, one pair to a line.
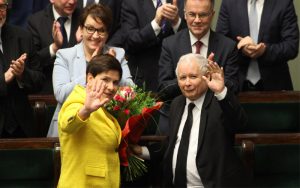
202,15
91,30
3,7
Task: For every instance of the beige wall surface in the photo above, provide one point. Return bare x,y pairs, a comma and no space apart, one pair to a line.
293,64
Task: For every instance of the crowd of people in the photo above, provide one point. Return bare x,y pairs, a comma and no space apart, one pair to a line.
81,51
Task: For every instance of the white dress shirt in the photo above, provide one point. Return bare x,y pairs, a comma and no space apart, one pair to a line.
204,40
193,178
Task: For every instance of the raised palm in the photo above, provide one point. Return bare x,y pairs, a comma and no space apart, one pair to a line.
215,77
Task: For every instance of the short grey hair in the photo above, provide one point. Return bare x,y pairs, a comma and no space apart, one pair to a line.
199,59
211,1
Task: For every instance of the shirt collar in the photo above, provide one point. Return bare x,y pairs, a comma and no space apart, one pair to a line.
204,39
198,102
56,15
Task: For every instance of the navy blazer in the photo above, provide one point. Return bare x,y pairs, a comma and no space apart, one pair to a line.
278,30
40,25
141,44
173,47
13,98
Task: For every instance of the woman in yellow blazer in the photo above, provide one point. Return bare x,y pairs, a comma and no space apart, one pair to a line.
89,136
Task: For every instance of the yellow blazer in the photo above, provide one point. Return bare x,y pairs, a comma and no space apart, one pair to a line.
89,149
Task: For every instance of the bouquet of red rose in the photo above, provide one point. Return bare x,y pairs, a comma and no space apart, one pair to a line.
132,107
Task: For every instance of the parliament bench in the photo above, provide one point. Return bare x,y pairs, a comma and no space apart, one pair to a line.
268,145
271,159
271,112
29,162
268,112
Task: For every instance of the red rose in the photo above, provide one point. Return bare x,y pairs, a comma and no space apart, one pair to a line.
126,111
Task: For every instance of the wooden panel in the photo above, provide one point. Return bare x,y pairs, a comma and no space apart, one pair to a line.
28,143
269,96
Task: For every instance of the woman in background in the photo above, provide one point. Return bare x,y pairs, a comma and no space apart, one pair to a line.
70,64
89,136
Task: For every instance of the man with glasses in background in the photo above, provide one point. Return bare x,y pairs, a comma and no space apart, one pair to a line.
20,75
197,38
54,28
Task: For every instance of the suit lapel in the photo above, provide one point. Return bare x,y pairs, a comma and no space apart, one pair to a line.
74,27
244,17
112,124
148,8
176,121
9,45
204,115
267,11
186,47
213,46
49,22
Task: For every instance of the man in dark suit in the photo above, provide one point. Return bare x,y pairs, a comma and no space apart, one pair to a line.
20,10
145,24
48,36
198,16
20,75
115,33
277,40
199,150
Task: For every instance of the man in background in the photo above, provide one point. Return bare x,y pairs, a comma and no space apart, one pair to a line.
20,75
53,28
200,39
267,33
145,23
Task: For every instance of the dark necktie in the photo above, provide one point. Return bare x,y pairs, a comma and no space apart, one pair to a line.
89,2
62,21
198,45
163,22
180,170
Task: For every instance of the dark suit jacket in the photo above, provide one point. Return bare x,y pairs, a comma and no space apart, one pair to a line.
115,33
278,30
216,159
174,47
40,26
142,46
13,99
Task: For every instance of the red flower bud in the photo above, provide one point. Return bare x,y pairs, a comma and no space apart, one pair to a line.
126,111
